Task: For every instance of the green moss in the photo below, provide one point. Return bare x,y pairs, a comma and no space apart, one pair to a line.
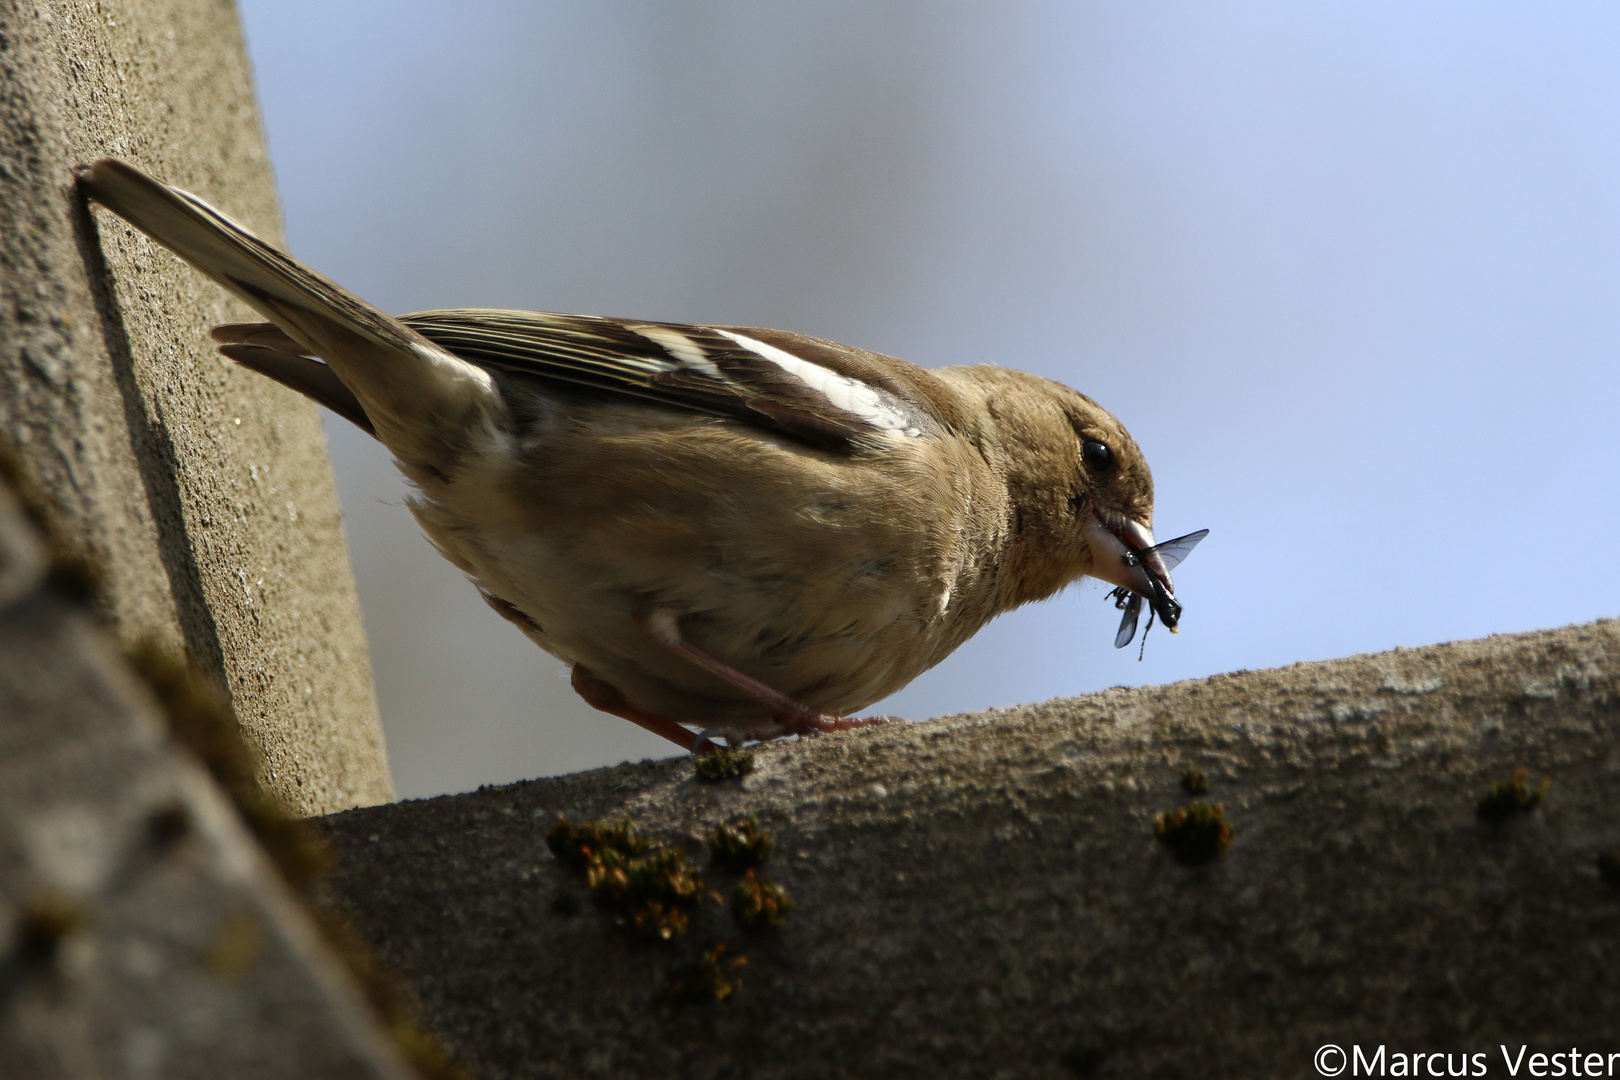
719,764
1194,782
741,844
658,921
709,979
1513,796
623,883
652,886
576,845
1196,834
758,903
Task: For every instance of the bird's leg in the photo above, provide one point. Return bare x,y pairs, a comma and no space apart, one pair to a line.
602,696
792,717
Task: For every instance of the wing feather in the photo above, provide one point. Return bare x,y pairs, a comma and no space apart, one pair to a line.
723,371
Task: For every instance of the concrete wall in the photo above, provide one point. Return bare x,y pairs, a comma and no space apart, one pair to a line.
200,493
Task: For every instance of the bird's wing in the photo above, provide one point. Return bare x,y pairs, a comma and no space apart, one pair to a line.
814,391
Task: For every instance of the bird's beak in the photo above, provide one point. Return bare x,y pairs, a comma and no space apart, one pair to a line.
1122,554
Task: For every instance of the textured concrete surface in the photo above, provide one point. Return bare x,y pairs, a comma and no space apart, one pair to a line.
984,895
201,492
142,934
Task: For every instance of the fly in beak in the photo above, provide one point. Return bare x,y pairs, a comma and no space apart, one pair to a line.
1122,554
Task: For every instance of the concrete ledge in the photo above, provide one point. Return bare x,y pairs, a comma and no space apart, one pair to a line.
984,895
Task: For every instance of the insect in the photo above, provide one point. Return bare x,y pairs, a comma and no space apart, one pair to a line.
1169,555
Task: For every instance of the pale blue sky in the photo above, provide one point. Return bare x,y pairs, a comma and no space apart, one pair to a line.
1349,273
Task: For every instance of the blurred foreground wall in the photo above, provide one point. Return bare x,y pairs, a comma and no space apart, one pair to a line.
143,932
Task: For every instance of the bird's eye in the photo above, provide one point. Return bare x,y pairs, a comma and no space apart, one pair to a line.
1099,458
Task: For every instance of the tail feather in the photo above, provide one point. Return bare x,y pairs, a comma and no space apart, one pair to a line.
266,335
267,349
419,399
311,378
231,254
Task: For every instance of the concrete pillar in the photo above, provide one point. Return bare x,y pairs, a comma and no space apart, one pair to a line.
200,494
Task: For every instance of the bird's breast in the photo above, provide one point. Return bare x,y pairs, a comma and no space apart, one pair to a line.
833,579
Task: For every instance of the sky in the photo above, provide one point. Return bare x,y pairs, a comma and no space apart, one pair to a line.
1348,272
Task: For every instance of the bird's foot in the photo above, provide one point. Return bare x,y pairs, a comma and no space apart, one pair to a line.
804,723
733,737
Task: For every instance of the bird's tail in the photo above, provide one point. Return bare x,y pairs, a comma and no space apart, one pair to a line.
412,390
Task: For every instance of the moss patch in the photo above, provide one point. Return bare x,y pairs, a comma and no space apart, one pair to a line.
575,846
651,886
706,980
1196,834
1506,798
758,903
741,844
721,764
652,890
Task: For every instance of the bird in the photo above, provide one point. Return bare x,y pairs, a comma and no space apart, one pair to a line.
728,533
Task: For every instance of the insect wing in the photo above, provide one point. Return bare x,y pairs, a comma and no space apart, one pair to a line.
1127,622
1174,551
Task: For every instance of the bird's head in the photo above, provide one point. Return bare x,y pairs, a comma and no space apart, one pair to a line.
1080,492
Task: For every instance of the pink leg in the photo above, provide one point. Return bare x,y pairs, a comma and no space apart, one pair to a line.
793,717
601,695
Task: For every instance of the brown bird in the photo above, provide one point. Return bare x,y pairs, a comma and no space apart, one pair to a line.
747,531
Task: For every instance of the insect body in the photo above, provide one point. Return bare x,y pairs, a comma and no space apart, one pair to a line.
1170,555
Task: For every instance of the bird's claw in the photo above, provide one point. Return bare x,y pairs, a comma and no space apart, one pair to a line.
704,742
805,726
